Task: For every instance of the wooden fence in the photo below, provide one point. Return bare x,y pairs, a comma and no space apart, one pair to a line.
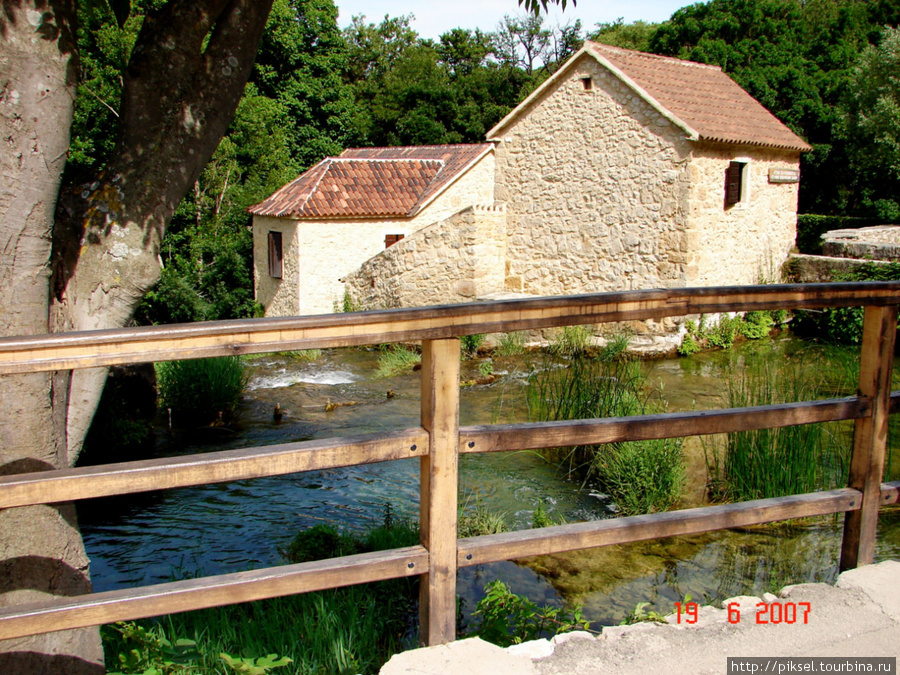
439,442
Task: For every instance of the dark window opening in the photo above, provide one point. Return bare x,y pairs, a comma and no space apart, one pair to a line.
276,257
734,183
391,239
587,83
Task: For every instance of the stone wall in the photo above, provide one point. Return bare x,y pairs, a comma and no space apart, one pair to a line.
324,251
456,260
594,180
748,242
278,296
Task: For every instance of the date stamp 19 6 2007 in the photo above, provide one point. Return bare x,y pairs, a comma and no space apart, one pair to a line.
765,613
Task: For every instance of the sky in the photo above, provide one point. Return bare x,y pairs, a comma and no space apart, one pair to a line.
434,17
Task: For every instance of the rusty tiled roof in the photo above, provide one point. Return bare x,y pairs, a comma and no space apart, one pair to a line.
702,97
372,182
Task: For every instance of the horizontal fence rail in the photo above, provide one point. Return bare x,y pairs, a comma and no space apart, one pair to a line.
439,441
254,336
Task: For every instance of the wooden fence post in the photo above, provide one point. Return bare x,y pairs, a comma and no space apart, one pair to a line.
439,485
876,364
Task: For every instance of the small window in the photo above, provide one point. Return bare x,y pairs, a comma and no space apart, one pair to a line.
587,83
391,239
735,183
276,257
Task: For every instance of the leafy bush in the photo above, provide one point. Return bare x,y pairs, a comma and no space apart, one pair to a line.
478,521
470,344
843,325
199,390
505,618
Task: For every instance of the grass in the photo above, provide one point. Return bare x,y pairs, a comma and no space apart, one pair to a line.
345,630
511,344
570,341
475,520
396,360
199,390
792,460
641,477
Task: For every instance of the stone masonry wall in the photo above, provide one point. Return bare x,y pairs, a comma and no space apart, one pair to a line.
324,251
456,260
745,243
278,296
595,182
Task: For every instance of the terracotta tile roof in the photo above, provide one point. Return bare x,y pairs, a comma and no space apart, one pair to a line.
702,97
372,182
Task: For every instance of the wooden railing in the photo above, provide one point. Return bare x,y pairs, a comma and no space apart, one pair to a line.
439,442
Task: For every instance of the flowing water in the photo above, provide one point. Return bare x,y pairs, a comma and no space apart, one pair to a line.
154,537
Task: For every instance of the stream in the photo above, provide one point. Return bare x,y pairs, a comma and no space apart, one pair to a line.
161,536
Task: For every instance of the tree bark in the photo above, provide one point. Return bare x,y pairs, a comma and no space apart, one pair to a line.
81,258
41,553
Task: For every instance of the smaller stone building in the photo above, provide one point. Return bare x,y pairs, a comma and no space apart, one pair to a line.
624,170
324,225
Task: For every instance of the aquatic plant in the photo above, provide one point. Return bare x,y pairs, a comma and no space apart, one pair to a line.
511,344
641,477
475,519
397,359
791,460
570,340
199,390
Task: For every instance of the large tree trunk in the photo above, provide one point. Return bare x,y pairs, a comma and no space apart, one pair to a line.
182,86
41,553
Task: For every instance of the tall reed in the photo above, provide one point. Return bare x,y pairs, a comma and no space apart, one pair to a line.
198,390
791,460
641,477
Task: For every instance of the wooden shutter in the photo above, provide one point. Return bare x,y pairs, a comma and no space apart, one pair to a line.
391,239
275,255
733,183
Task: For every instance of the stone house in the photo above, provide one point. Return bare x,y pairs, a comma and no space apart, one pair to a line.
624,170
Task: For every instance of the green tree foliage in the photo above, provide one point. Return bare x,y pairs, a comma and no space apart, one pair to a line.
636,35
300,64
796,59
873,121
104,50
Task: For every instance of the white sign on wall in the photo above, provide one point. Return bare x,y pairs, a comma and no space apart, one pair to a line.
784,175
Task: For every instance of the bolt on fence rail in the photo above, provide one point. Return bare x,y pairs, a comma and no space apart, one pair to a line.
439,441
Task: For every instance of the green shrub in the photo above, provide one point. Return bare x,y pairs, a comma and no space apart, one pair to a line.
756,325
199,390
320,542
843,325
470,344
723,333
505,618
540,517
479,522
